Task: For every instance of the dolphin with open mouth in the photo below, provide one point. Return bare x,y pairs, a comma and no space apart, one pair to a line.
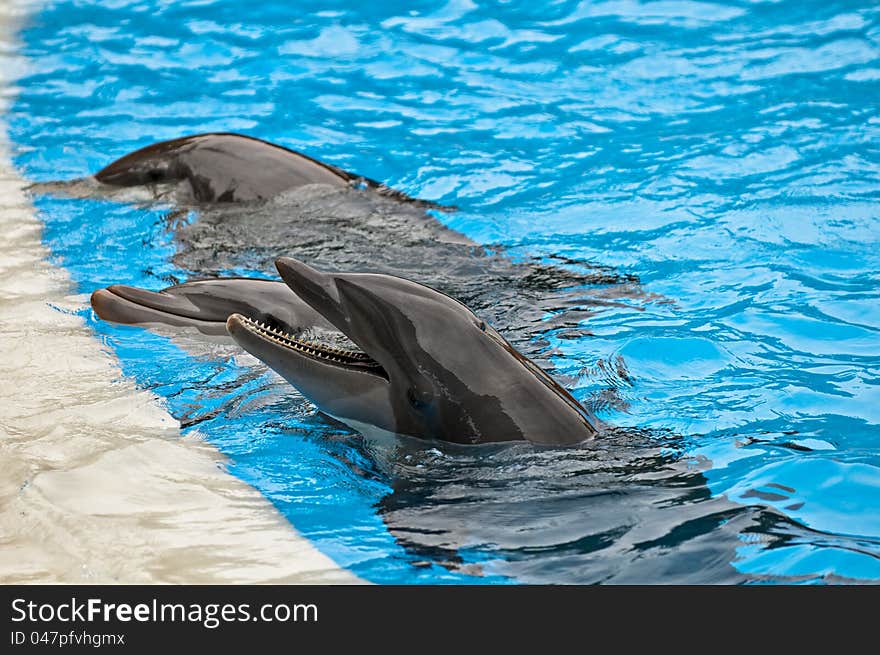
406,360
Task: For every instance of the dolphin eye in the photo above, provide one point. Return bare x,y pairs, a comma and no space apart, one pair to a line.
415,398
481,325
157,175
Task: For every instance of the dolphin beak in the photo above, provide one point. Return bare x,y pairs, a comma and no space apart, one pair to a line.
158,300
301,277
129,305
351,308
317,289
284,351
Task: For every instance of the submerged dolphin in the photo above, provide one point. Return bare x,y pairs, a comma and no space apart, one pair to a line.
419,363
219,167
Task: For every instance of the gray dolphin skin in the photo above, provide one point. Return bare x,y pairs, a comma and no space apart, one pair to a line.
228,167
406,359
206,304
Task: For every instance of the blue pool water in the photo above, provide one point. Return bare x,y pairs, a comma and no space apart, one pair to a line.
726,154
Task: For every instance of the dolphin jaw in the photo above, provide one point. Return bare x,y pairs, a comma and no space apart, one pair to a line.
339,357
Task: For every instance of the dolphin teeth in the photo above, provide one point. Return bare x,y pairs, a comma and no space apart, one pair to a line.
315,349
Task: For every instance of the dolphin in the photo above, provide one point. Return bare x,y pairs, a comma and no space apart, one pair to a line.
406,359
221,167
218,167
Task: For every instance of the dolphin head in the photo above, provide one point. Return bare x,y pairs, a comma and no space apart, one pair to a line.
222,167
155,164
427,366
219,167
